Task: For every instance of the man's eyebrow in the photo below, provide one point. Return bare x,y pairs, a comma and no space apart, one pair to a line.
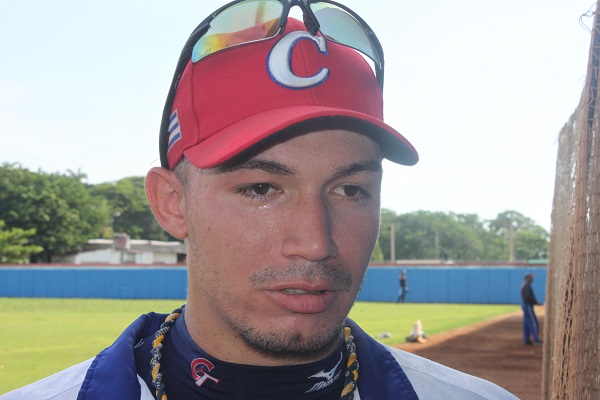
274,167
371,165
269,166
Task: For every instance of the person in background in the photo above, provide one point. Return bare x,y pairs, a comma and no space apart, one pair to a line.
403,287
417,334
531,325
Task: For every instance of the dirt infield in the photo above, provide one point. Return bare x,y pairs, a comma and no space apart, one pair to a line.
492,350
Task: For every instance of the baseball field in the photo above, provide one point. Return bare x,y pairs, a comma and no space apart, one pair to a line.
43,336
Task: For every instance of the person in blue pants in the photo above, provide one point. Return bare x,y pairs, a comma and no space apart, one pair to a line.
531,325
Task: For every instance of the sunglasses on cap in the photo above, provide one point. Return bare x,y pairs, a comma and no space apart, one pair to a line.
247,21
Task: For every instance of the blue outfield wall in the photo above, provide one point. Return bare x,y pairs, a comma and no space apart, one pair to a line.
482,285
478,285
102,282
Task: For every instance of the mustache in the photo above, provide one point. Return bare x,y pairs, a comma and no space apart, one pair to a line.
310,272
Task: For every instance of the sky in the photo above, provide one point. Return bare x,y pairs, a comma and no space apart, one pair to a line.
481,88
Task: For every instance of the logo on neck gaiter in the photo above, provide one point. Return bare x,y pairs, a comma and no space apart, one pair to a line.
328,376
200,369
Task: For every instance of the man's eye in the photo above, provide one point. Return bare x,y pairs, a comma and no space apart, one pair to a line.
260,189
349,191
257,190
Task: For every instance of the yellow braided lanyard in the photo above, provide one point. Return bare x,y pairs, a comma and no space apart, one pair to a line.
351,366
156,355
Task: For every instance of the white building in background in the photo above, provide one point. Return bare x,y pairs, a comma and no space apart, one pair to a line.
123,250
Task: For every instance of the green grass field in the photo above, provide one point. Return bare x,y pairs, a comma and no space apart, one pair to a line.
43,336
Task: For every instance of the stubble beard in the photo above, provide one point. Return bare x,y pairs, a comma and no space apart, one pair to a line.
291,346
282,345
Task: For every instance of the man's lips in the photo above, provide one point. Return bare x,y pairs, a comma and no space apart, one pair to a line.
303,299
302,287
300,291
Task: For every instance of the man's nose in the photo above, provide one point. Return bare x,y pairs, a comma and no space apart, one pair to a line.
308,230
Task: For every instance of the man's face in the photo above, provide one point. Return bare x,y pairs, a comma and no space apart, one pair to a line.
278,246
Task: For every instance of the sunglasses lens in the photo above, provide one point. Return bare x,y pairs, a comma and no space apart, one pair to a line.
339,26
244,22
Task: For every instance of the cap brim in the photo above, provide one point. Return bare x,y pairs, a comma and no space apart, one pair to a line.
244,134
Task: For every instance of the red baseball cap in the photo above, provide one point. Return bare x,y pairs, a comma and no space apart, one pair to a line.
234,99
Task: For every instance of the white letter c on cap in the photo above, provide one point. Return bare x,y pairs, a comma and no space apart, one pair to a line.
279,63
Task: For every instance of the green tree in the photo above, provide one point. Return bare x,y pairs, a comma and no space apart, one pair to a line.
461,237
415,236
59,208
501,224
438,236
425,235
387,218
530,240
129,209
377,253
15,246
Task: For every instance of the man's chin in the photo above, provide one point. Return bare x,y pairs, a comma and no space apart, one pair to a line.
294,344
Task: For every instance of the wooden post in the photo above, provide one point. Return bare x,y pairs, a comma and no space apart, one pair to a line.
511,241
393,243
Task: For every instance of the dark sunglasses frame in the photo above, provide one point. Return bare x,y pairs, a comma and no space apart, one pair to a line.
311,23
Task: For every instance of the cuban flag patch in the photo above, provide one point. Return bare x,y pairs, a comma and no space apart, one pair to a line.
174,130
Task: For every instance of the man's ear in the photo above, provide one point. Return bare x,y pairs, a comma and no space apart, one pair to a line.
165,195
